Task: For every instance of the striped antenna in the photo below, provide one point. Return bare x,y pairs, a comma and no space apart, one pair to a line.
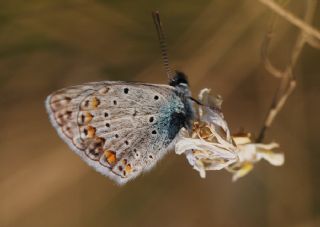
163,44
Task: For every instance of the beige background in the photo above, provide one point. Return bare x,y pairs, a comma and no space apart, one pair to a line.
49,44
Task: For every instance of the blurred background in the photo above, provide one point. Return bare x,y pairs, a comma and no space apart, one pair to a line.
50,44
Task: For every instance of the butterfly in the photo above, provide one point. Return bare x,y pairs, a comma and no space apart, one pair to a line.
122,129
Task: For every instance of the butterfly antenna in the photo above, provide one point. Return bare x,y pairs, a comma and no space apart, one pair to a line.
201,104
163,44
196,101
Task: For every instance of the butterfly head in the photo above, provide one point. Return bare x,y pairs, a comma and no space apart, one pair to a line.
181,84
180,79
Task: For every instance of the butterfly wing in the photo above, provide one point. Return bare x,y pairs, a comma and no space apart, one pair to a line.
120,129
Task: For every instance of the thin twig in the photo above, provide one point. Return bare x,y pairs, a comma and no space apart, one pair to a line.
275,108
264,51
313,42
288,82
291,18
301,40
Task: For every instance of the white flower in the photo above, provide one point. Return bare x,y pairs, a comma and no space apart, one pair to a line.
210,146
251,153
204,155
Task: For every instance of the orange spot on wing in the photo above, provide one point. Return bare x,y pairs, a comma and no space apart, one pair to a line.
95,102
88,117
128,168
91,131
110,156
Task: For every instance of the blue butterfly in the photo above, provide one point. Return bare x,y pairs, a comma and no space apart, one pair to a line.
122,129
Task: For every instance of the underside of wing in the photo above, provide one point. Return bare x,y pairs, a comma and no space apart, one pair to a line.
119,128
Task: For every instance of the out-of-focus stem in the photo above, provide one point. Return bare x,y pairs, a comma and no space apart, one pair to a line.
288,82
291,18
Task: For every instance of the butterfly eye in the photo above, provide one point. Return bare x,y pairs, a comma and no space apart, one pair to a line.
107,125
151,119
126,142
116,135
106,114
150,156
154,132
126,90
114,102
156,97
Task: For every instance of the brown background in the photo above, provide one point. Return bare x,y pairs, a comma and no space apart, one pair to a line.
50,44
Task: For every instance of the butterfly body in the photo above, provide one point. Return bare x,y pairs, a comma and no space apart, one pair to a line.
121,128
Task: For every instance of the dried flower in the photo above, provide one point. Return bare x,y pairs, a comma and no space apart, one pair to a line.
210,146
250,153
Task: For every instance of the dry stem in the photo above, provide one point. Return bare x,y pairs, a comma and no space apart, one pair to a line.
288,82
291,18
315,43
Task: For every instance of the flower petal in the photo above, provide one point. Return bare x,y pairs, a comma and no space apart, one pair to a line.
210,145
244,170
276,159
